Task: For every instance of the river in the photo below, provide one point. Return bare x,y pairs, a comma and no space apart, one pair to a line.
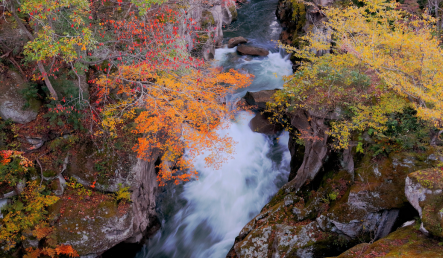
201,218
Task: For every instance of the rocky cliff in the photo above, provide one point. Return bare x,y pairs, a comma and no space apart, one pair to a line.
100,223
337,199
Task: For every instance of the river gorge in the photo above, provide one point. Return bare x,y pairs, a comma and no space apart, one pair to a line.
337,132
201,218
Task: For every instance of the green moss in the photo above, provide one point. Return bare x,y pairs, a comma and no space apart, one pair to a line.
405,242
431,178
207,19
279,197
386,177
49,173
82,222
233,11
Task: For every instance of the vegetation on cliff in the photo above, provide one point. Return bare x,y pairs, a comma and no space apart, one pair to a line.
381,62
118,84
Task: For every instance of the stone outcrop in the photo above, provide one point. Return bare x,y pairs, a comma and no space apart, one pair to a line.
233,42
252,51
424,190
331,202
404,242
261,124
259,98
211,17
93,230
12,101
100,228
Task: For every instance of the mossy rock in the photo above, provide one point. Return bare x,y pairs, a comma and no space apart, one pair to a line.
431,178
233,11
380,184
91,224
405,242
207,19
425,192
12,100
49,173
106,167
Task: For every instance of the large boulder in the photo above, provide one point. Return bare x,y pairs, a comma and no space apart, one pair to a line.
259,98
11,36
424,190
236,41
12,101
261,124
252,51
404,242
91,224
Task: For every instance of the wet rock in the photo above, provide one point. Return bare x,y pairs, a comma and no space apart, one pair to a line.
259,98
261,124
253,51
236,41
12,101
424,191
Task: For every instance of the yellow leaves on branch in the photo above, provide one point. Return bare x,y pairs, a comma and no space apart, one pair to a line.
399,46
173,110
25,214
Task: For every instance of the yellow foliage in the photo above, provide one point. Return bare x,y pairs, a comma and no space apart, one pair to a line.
399,47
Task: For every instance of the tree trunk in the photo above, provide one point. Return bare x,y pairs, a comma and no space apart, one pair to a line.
313,131
39,63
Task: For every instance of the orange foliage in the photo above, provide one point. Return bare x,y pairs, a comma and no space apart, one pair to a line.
174,113
175,100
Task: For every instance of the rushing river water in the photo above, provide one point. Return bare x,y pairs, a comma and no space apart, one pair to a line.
201,218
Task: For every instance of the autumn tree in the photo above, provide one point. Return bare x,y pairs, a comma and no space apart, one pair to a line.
54,29
395,50
175,100
27,215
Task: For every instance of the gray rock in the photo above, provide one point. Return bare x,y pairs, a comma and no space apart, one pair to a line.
253,51
12,101
36,142
386,223
236,41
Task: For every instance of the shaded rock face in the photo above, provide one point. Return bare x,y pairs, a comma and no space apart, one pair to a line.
292,17
12,101
140,220
260,124
233,42
11,36
253,51
259,98
404,242
424,190
82,166
211,17
298,19
144,187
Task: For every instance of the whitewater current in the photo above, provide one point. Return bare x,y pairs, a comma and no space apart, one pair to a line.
201,218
